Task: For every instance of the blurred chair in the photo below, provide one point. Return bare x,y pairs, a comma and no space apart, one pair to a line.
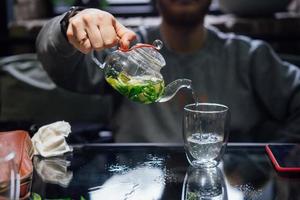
29,99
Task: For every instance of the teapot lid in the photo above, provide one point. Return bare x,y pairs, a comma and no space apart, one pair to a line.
148,52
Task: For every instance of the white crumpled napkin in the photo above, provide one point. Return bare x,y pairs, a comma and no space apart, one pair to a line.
50,139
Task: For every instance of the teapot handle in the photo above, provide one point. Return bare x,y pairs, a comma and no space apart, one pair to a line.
96,61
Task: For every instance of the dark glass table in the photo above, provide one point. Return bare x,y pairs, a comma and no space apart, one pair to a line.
160,171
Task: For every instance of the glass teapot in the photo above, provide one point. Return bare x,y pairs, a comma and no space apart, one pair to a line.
135,73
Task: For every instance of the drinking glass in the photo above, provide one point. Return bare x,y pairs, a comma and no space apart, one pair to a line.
205,133
8,175
205,184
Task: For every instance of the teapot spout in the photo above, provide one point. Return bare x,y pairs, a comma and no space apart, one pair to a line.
172,88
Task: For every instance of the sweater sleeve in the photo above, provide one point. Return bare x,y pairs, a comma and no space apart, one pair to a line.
277,86
67,67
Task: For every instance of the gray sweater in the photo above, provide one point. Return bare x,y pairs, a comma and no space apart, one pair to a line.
262,91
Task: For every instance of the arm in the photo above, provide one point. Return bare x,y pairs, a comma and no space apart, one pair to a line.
68,60
277,86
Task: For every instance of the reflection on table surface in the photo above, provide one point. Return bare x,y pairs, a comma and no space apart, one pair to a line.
156,171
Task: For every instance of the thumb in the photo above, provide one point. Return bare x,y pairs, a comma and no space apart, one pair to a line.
126,35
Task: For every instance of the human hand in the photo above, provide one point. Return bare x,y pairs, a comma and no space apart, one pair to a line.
93,29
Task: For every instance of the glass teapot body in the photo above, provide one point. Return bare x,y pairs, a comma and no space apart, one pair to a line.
134,77
135,73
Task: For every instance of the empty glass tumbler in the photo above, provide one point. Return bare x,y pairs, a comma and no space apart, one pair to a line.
205,133
9,187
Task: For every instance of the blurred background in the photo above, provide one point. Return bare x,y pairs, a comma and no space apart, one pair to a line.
276,21
25,89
